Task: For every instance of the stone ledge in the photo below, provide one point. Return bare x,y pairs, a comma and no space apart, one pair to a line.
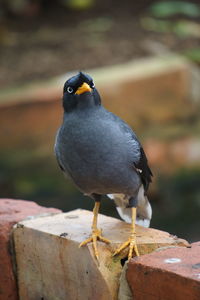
77,275
11,212
172,273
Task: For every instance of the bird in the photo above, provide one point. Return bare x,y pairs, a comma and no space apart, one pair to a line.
102,155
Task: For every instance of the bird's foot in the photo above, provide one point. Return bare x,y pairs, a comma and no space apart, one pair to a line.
96,235
131,242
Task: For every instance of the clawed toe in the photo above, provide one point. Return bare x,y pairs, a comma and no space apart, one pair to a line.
131,242
96,235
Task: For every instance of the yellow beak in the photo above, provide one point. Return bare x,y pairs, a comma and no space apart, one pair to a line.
83,88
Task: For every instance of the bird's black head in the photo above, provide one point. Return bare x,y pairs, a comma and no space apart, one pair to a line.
79,91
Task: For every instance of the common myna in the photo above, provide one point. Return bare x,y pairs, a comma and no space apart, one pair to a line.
103,156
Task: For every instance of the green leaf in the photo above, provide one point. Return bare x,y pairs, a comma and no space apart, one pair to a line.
156,25
193,54
187,28
170,8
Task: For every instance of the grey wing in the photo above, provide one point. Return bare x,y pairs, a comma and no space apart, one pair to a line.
124,126
140,161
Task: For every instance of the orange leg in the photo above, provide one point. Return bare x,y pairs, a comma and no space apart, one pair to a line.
131,242
96,233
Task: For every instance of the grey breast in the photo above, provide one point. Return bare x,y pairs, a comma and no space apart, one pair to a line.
97,154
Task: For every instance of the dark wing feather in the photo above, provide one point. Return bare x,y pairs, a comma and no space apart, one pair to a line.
144,170
61,167
56,151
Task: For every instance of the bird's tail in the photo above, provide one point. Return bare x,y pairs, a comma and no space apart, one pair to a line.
144,211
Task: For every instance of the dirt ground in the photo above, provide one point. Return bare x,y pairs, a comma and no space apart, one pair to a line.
59,39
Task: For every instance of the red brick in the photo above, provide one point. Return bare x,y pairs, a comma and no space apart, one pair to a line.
11,212
153,277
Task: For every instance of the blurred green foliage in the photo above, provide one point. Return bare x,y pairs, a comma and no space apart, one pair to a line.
163,9
182,28
178,212
78,4
193,54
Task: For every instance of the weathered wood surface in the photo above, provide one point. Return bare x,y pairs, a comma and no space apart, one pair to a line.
51,267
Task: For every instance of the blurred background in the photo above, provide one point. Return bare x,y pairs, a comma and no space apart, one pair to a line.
40,40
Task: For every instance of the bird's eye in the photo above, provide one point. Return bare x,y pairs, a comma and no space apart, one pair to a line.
92,85
70,89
